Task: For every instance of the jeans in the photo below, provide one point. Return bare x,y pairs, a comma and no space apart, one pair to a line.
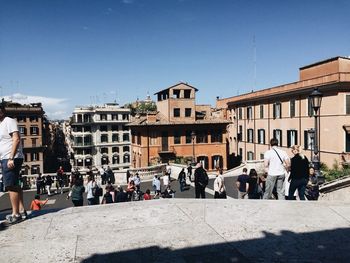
299,184
270,183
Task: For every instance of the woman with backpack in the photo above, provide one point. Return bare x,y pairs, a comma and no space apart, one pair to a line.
76,193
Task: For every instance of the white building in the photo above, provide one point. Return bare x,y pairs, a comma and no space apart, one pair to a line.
99,137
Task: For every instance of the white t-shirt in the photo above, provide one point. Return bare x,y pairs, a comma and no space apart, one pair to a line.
275,165
7,127
165,180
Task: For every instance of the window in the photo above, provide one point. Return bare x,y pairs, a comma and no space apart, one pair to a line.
216,136
188,112
104,150
261,156
34,142
277,114
34,130
115,159
22,130
217,162
23,142
139,138
250,155
115,149
292,138
250,135
261,111
114,117
308,140
34,157
177,137
188,136
240,152
202,137
187,93
87,151
104,138
176,112
126,158
176,93
87,140
103,128
240,113
249,113
240,133
114,128
261,136
277,134
115,137
125,117
126,137
125,128
103,117
310,110
87,118
104,160
87,128
21,119
347,102
292,108
126,148
153,138
347,142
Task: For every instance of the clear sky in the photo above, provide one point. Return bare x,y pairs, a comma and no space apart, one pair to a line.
80,52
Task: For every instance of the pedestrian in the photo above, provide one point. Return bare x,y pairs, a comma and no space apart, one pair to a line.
37,204
110,176
108,197
90,189
59,180
276,163
242,184
189,172
168,169
11,156
254,189
200,181
1,183
76,192
168,193
219,186
121,195
182,179
312,188
130,189
157,187
48,183
299,173
166,178
137,181
39,184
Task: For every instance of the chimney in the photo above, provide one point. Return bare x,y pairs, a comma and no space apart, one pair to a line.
151,117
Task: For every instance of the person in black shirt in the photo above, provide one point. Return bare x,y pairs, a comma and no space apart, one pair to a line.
299,173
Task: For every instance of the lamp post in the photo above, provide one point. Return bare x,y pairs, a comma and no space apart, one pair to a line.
193,136
316,100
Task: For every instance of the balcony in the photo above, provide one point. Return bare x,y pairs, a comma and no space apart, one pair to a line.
82,145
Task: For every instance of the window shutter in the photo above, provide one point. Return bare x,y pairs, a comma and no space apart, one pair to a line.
296,137
288,138
347,104
305,140
280,138
274,111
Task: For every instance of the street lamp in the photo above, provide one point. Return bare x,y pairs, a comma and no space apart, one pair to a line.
316,100
193,136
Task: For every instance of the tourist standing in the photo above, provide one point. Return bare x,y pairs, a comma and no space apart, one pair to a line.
59,180
189,172
48,183
91,189
200,181
276,161
137,181
11,156
299,173
182,179
219,186
77,192
242,184
39,184
254,190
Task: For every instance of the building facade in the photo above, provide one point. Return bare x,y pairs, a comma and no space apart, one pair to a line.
285,112
179,130
100,137
30,119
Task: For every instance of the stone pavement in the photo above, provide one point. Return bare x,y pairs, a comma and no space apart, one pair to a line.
184,230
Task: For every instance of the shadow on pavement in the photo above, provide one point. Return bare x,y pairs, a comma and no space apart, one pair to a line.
321,246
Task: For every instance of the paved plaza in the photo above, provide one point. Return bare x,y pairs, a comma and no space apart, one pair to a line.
184,230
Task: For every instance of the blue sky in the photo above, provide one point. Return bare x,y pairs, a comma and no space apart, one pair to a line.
71,52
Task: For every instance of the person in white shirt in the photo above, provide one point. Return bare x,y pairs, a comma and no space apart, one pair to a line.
11,156
276,162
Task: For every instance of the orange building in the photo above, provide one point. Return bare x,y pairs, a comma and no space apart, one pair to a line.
179,130
285,112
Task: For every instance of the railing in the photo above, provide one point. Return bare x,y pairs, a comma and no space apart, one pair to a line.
149,172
